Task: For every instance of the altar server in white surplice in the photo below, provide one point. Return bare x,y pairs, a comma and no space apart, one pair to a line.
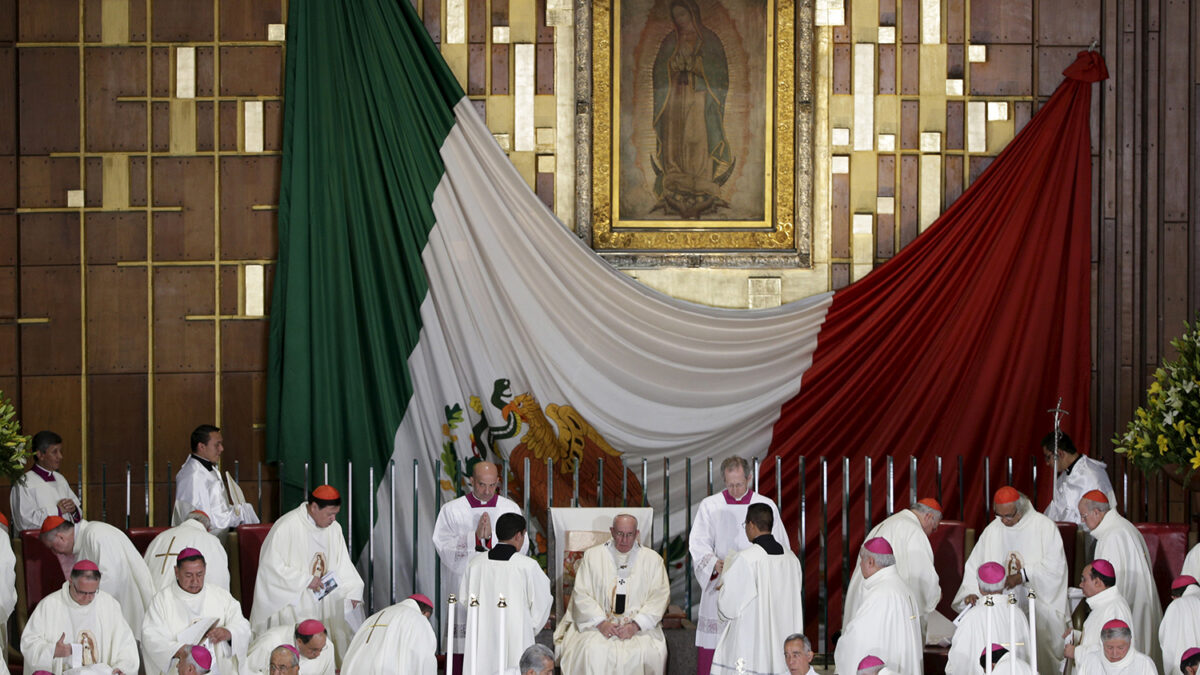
1117,657
42,491
1029,547
1180,627
124,573
910,530
310,639
77,626
8,587
1077,474
1120,543
1105,603
886,623
199,485
1004,662
465,528
506,573
397,640
612,624
760,600
191,533
971,637
305,571
189,612
718,531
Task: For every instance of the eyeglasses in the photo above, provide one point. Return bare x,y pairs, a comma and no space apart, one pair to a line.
624,535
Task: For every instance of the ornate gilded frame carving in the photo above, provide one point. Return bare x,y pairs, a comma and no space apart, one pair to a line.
786,243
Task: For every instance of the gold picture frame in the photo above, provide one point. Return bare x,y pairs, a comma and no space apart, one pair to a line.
782,231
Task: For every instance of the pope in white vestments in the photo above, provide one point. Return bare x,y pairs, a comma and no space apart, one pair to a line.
886,623
910,530
1120,543
503,573
79,626
1009,628
42,491
612,624
1030,548
760,600
1180,629
124,573
1116,656
397,640
191,612
199,485
309,638
305,571
191,533
1077,474
466,527
1105,603
716,532
8,587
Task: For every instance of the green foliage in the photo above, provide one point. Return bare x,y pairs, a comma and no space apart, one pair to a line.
1166,430
13,445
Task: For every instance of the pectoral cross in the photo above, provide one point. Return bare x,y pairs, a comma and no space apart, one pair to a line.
167,555
373,627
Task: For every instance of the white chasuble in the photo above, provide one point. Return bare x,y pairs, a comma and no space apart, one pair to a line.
454,540
1191,564
174,615
8,592
1007,665
716,532
123,572
885,625
526,591
603,573
198,488
397,640
1105,606
294,552
258,658
760,599
1134,663
163,552
1120,543
1180,629
971,636
97,631
33,499
914,563
1034,545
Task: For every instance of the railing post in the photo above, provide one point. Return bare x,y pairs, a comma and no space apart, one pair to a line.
687,564
146,494
962,509
987,487
645,484
666,506
710,476
371,540
755,476
258,490
867,494
350,506
803,511
912,480
415,523
939,480
891,485
104,491
600,482
845,524
437,560
392,515
128,491
823,564
171,494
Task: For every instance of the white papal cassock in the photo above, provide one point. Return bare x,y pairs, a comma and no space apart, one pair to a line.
1120,543
1191,563
1180,629
581,647
162,553
97,626
173,611
914,563
395,641
526,590
8,590
760,601
454,540
886,624
36,495
1134,663
258,657
1084,475
1105,606
970,638
716,532
123,572
201,488
1034,542
295,551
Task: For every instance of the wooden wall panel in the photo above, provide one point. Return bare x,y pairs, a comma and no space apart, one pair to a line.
186,183
1007,22
49,238
181,403
247,182
1005,73
247,20
117,339
109,73
47,20
243,415
1068,22
53,402
182,21
182,345
244,346
251,71
54,293
49,100
118,414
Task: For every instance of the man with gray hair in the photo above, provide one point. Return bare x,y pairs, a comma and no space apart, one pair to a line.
285,660
886,623
1118,656
535,660
798,653
197,660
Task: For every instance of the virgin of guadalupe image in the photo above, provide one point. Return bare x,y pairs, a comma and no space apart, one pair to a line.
318,565
692,158
88,642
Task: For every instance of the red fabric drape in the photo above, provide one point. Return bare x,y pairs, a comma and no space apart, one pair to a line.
959,344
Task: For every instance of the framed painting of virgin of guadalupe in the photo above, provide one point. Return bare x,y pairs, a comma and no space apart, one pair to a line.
694,130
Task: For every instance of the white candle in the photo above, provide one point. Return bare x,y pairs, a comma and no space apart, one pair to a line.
1032,631
500,605
473,620
450,630
987,649
1012,624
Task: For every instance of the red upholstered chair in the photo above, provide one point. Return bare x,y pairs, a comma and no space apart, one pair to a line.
250,541
949,544
43,575
1067,531
1168,545
142,536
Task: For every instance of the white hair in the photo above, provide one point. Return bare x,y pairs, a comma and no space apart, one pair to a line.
1116,634
535,658
801,637
881,559
922,509
201,518
285,649
870,671
190,660
1089,505
991,589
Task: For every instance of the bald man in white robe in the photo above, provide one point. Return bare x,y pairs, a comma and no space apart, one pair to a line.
887,622
397,640
1180,629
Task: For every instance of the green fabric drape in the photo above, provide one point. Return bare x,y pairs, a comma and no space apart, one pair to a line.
368,102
